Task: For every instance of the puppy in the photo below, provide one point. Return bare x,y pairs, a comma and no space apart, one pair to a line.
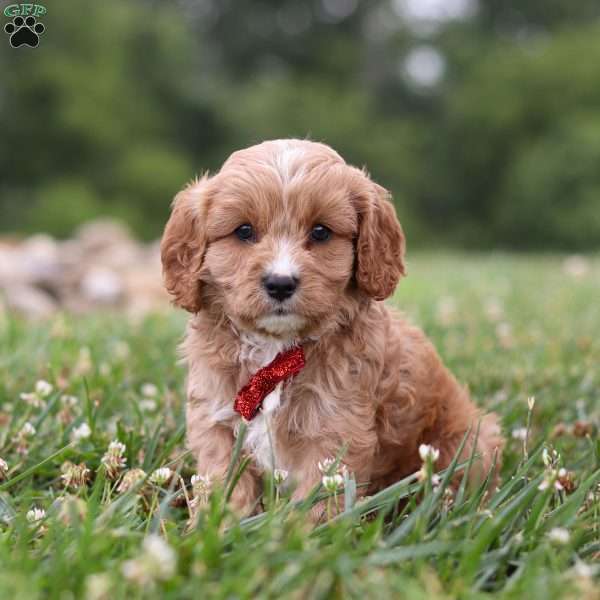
284,258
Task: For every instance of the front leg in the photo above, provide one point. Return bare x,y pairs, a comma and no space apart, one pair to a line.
307,475
212,445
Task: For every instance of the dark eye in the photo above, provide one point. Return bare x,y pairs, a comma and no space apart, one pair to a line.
245,232
320,233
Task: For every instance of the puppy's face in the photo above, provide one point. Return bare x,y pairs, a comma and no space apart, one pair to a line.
281,238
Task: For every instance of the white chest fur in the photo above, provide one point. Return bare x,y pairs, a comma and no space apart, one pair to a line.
259,441
259,437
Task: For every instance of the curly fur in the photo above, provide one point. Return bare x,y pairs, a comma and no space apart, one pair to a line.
372,381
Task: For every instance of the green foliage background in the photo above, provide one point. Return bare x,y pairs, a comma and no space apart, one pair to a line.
121,103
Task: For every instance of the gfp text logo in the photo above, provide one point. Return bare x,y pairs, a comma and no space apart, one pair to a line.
24,29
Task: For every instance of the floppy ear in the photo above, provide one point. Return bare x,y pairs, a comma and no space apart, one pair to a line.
183,245
380,245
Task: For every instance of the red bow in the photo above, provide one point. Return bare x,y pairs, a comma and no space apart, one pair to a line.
284,366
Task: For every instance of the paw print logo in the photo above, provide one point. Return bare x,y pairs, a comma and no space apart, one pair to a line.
24,32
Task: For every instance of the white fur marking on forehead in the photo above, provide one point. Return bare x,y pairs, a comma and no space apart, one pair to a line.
283,263
286,159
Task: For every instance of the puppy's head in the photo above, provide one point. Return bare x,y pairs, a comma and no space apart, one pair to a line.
281,239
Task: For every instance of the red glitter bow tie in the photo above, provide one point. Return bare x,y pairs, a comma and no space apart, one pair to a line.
284,366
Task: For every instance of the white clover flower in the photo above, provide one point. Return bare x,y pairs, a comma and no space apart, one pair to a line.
27,430
35,514
326,465
426,451
32,399
148,405
43,389
201,488
81,433
201,484
162,554
559,535
156,563
551,479
74,476
117,448
546,457
584,570
448,498
424,475
519,537
200,480
130,480
70,401
279,476
332,482
113,460
3,469
149,390
161,476
97,586
550,457
135,571
519,433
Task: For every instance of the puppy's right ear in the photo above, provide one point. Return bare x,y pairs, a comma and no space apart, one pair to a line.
183,245
380,245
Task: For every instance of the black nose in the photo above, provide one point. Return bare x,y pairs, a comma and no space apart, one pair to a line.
280,287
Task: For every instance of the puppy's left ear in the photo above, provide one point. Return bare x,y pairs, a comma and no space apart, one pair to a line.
380,245
183,245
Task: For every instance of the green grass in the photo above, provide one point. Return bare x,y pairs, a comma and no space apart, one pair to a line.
510,327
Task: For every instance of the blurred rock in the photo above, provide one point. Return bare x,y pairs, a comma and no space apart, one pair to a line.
29,301
102,285
102,233
102,266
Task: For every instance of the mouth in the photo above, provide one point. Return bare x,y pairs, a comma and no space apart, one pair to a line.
281,321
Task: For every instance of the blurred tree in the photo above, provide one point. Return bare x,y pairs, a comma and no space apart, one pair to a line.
502,157
519,18
482,118
100,101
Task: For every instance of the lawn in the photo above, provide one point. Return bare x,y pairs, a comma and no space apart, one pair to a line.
512,328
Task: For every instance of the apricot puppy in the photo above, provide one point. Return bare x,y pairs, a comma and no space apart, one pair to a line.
284,258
